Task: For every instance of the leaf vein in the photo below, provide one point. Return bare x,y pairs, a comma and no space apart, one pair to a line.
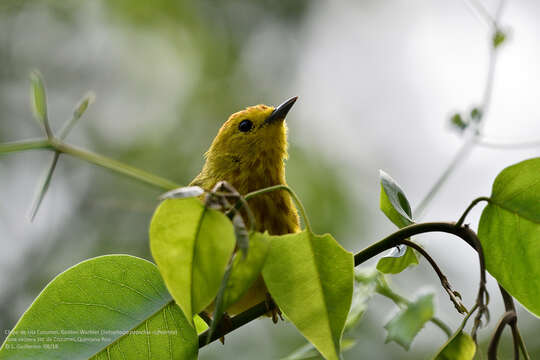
168,332
319,280
515,212
98,305
197,232
122,285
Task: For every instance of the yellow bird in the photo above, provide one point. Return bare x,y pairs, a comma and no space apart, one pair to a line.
249,152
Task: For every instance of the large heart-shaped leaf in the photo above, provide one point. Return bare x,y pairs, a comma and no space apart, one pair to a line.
192,246
310,277
509,231
113,306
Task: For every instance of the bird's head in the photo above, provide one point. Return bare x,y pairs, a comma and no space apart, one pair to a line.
257,133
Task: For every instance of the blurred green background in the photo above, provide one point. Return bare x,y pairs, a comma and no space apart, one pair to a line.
376,80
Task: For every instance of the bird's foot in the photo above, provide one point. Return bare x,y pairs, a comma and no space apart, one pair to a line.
225,325
273,309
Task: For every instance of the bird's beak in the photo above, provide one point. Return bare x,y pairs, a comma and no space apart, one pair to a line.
281,111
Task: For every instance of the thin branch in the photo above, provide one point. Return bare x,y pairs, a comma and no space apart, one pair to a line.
395,238
454,296
481,12
237,321
508,318
516,336
466,318
42,190
499,10
117,166
469,208
79,110
230,191
96,159
16,146
392,240
502,144
441,325
463,232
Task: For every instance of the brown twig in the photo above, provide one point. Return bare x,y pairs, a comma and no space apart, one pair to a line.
508,318
516,336
387,243
470,207
455,297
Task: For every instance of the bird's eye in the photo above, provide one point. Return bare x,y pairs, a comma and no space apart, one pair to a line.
245,125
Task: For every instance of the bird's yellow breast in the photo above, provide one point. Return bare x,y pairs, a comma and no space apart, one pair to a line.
252,160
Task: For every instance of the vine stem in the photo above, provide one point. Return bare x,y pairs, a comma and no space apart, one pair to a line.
469,208
463,232
454,296
390,241
510,307
25,145
293,195
508,318
96,159
505,144
397,237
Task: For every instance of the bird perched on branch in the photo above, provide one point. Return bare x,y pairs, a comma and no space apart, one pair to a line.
249,153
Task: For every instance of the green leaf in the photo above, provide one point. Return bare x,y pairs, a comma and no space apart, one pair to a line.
404,327
218,304
113,306
396,207
239,278
498,38
308,351
459,347
79,110
398,260
246,270
310,277
39,97
476,114
509,231
347,344
366,275
200,325
457,121
44,186
305,352
83,104
394,203
192,246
